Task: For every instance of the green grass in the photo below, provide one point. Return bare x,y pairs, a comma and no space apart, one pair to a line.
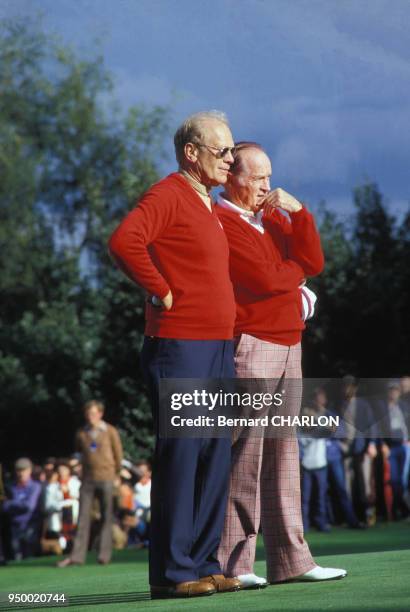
378,562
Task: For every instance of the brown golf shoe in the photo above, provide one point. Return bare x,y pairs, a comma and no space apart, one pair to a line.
222,584
194,588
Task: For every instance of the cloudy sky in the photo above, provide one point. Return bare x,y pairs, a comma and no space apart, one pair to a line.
324,85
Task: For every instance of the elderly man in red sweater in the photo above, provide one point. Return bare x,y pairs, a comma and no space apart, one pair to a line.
274,246
173,245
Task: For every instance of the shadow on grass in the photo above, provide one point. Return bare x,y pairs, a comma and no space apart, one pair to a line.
85,600
135,556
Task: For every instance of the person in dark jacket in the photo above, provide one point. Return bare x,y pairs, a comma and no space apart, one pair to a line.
22,508
358,448
394,436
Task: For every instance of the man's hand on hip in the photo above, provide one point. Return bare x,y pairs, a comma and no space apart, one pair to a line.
279,198
166,302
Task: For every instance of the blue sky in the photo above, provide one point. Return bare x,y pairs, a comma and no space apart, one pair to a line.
324,85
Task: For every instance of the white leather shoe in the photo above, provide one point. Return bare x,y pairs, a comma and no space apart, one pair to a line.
321,573
252,581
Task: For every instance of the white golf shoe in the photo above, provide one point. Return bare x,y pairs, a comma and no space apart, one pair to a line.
321,573
252,581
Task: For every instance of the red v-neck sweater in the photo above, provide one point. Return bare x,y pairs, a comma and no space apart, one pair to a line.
267,269
171,241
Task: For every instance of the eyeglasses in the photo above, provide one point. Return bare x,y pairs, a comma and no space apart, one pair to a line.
220,153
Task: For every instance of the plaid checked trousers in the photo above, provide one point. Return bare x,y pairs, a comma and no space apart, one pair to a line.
265,477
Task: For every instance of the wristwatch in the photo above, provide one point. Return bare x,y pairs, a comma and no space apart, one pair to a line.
154,301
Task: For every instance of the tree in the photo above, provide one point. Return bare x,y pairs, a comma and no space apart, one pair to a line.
325,338
362,324
377,282
72,164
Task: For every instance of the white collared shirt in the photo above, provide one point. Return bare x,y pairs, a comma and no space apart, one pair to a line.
247,215
93,431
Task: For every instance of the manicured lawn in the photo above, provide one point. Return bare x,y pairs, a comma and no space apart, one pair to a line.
378,562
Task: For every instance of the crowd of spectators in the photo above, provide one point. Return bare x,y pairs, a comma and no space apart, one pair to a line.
360,470
40,507
350,475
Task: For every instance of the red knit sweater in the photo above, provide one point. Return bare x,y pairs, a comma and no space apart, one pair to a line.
171,241
267,269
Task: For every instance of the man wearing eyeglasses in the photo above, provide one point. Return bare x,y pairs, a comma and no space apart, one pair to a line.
174,247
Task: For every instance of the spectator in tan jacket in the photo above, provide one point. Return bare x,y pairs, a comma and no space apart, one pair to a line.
101,454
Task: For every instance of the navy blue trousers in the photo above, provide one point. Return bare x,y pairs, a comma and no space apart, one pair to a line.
314,481
397,460
336,475
190,478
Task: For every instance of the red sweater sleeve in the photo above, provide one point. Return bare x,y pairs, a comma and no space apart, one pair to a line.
155,213
304,243
253,270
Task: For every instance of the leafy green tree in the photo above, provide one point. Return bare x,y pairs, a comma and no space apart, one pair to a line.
72,164
402,298
377,281
362,324
325,337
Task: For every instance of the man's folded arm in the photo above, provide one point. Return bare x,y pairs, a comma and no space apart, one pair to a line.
258,274
16,506
304,245
129,243
22,506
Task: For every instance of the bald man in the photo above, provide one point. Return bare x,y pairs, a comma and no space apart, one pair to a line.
271,255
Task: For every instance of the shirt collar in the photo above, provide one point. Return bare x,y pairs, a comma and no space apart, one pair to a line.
102,426
247,215
199,187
